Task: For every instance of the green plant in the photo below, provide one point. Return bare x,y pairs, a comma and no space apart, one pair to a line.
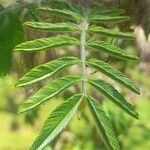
81,23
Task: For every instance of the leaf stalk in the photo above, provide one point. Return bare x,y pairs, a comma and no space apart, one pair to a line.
84,27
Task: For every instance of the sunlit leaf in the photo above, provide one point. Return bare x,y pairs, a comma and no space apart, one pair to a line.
109,19
112,94
57,121
110,33
63,13
103,124
45,43
113,12
113,73
48,91
111,49
46,70
57,27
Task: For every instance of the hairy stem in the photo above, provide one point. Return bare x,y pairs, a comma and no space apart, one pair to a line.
84,27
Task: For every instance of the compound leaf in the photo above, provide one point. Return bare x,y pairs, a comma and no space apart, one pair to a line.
112,94
111,49
45,43
57,120
113,73
46,70
48,91
103,124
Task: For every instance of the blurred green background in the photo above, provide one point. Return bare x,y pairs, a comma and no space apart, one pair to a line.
17,131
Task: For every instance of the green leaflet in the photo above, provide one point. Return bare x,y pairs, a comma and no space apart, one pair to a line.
46,70
113,73
103,124
57,120
109,19
33,10
48,91
110,92
57,27
110,33
64,13
45,43
111,49
114,12
63,5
